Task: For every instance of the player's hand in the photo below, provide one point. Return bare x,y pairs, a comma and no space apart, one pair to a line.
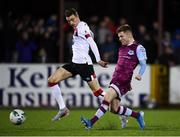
103,63
138,77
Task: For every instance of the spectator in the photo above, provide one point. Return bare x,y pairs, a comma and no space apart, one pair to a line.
122,21
45,33
25,48
48,49
93,25
103,32
108,50
149,44
110,25
168,58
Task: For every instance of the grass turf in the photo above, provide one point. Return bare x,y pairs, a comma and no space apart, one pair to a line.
38,123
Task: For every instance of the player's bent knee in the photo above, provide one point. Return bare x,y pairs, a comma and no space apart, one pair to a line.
108,96
52,82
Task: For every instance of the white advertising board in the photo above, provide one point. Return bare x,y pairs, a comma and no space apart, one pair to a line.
25,85
174,96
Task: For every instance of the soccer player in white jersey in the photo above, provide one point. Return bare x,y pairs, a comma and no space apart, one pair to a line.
81,62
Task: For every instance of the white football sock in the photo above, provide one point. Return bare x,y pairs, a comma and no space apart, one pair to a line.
101,97
56,92
128,112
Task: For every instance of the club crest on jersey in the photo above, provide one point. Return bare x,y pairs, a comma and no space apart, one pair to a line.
131,52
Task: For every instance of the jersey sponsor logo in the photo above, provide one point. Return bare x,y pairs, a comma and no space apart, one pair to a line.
131,52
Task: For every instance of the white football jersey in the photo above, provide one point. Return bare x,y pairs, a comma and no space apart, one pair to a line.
80,45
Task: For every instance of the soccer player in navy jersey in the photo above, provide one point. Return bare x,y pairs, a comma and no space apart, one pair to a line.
130,55
81,62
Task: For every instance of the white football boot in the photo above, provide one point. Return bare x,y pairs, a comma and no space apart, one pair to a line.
124,121
62,113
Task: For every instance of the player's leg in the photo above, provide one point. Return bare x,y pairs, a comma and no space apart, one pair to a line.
100,94
115,103
87,73
59,75
108,97
125,111
96,89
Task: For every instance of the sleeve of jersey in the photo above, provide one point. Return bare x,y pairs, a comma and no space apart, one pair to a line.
94,48
141,54
86,34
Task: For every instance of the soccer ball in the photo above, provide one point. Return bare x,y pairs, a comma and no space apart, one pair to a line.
17,116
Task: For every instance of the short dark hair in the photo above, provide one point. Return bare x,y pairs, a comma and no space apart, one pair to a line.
71,11
124,28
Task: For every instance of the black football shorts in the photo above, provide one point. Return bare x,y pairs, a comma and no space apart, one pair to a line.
84,70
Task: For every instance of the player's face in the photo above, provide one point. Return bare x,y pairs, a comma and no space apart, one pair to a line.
123,38
73,20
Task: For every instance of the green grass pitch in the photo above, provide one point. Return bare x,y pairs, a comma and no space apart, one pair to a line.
38,123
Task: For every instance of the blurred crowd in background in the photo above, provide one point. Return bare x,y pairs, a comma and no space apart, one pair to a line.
29,39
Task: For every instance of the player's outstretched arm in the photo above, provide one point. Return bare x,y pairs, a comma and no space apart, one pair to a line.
96,52
94,48
142,69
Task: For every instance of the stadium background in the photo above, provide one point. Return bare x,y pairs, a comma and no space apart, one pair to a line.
41,25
